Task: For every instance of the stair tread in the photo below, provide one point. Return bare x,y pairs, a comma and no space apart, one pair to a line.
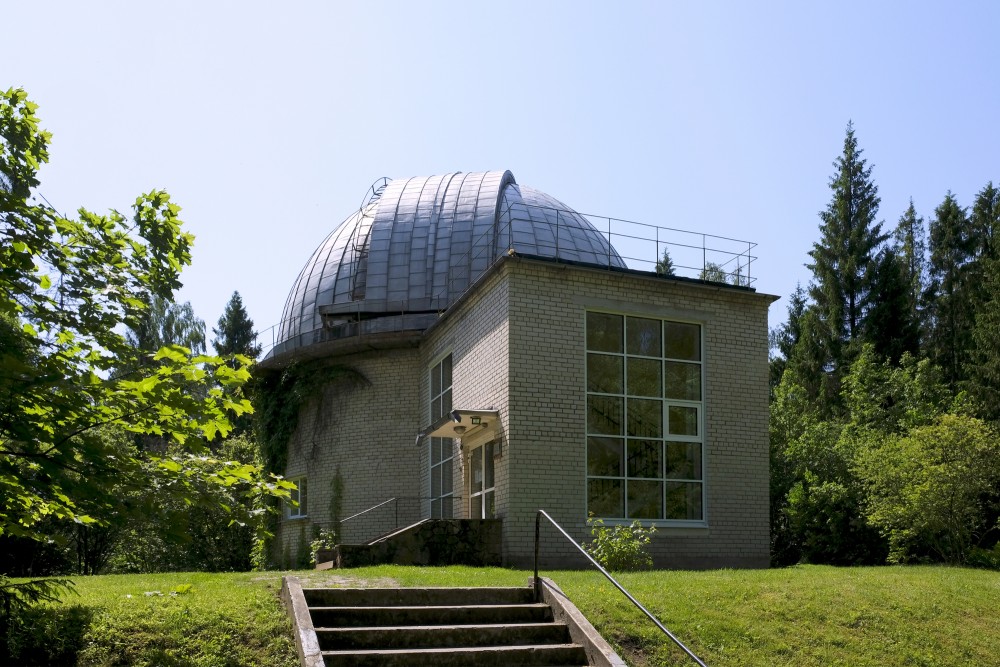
471,649
437,628
526,605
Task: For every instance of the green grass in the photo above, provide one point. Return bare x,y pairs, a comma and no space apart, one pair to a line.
807,615
224,620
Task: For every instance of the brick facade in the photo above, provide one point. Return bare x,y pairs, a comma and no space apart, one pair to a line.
517,342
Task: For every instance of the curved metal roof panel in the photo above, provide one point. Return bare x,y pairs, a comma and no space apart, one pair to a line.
419,243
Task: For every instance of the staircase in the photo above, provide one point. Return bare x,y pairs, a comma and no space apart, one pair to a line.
400,627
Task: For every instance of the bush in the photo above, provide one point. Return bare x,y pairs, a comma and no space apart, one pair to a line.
620,548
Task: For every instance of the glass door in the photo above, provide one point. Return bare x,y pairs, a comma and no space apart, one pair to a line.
482,504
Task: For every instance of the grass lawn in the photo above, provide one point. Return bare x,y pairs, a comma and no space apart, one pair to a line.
806,615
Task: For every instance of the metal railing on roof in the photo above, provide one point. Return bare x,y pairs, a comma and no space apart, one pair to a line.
538,592
628,244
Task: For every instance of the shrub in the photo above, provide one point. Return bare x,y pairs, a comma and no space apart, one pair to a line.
620,548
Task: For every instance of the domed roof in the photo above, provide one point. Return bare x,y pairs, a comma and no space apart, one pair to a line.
417,244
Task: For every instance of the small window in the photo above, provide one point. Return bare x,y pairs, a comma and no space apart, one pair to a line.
299,506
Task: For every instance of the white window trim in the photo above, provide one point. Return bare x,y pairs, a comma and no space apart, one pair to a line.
295,511
431,417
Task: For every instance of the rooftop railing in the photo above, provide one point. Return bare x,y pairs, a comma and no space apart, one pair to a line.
554,233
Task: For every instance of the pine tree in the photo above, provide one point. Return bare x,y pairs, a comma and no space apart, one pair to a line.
235,334
842,267
949,296
984,361
665,265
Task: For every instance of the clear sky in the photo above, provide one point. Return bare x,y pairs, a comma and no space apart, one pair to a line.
268,121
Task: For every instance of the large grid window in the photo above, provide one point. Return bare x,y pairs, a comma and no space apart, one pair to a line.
442,449
645,408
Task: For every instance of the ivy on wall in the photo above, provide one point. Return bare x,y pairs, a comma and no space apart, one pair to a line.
279,398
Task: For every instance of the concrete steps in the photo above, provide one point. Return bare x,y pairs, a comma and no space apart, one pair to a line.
438,626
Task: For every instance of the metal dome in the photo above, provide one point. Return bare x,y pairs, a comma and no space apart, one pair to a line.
417,244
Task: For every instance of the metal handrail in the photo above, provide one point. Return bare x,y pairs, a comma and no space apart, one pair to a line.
455,497
538,585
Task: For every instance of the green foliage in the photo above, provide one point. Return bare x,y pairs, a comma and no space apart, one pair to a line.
67,288
620,548
325,539
665,265
843,270
236,334
165,323
927,489
950,294
714,273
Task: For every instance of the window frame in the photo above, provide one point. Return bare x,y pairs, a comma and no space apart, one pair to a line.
438,467
665,438
301,510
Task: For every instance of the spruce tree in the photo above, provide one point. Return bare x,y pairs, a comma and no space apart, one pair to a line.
784,337
843,270
949,295
909,243
985,222
892,326
235,334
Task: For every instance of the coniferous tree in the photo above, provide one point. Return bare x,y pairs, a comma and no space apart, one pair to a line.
949,296
909,242
842,267
891,325
985,223
236,334
784,337
984,362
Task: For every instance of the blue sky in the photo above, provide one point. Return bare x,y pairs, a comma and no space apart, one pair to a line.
267,122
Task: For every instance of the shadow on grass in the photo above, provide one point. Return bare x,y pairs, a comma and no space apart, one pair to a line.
44,635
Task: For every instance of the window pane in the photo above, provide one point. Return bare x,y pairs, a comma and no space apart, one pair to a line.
604,414
682,341
683,421
605,498
476,507
446,372
488,466
643,337
435,409
435,482
477,470
683,381
490,510
683,460
604,332
447,508
604,373
303,497
644,458
644,377
435,451
435,381
446,479
445,402
435,509
645,499
604,457
645,418
684,501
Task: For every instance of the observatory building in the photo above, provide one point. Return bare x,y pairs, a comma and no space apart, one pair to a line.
480,351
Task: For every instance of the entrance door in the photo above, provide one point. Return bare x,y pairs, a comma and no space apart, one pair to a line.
482,504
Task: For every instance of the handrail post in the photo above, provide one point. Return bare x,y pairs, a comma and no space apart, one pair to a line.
538,587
